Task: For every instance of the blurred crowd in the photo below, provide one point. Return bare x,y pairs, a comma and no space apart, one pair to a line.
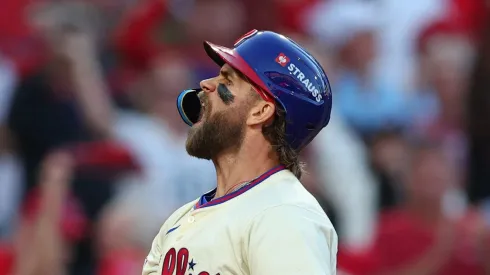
92,156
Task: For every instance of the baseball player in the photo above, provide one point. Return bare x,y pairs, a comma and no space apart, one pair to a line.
269,100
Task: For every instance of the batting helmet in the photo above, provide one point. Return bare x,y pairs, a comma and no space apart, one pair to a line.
284,73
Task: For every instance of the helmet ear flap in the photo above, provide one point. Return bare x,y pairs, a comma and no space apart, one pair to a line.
189,106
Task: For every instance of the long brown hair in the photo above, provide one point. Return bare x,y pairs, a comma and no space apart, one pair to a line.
275,133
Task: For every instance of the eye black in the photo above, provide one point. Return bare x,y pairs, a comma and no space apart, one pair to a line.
225,94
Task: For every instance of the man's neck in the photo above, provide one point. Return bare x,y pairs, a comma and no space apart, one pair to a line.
250,162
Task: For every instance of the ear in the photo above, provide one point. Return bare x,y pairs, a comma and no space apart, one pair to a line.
261,113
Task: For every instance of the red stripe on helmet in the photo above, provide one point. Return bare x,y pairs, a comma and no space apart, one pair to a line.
229,56
245,36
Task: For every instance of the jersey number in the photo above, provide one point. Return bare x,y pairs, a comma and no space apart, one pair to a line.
177,261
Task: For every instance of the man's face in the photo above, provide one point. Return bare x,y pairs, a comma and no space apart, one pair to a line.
226,101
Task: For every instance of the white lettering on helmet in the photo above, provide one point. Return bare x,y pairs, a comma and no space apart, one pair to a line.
306,82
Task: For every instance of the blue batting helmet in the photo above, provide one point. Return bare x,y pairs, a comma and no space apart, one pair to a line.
283,72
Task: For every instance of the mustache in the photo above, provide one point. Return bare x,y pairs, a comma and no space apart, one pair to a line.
203,98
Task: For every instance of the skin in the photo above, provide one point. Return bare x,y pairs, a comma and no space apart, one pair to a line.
230,130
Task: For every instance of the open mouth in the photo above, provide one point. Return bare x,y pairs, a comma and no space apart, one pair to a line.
192,106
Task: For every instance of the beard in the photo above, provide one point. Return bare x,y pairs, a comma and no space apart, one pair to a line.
219,133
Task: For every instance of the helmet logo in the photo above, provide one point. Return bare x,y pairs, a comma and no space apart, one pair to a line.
309,85
282,59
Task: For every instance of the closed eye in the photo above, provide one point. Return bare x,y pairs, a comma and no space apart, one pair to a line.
227,81
227,76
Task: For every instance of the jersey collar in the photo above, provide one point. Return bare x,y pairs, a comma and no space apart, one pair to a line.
206,199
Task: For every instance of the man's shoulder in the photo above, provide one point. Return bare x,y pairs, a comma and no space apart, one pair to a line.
178,214
294,224
183,210
284,190
285,200
294,214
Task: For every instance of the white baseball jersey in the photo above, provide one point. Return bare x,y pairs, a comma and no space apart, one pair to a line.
271,226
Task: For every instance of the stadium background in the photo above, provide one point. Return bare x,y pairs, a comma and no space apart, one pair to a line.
92,155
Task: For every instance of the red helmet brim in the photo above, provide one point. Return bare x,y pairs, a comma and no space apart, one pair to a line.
223,55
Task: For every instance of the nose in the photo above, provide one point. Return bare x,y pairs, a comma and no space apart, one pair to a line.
208,85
